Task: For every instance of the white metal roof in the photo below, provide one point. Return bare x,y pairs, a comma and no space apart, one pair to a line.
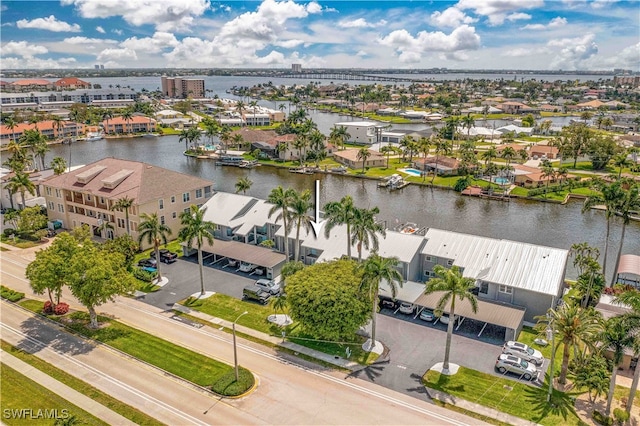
409,292
356,123
530,267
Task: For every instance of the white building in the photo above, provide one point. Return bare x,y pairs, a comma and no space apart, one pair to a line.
361,132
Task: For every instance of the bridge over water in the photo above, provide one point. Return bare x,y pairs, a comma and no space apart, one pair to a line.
346,76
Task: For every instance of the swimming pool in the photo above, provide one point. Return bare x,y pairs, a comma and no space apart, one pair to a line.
412,172
501,180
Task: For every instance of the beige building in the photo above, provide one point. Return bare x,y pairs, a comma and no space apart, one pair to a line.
178,87
87,195
349,157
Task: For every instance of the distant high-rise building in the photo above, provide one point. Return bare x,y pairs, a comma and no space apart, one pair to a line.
178,87
97,67
296,67
101,67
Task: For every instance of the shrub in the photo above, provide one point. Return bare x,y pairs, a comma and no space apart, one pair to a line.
620,415
48,307
61,308
10,295
600,418
8,232
227,385
143,275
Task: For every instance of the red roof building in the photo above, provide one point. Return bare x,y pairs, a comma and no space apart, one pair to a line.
71,83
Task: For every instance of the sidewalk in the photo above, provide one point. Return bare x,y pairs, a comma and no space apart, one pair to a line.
71,395
278,341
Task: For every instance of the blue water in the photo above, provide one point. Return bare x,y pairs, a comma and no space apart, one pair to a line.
412,172
501,180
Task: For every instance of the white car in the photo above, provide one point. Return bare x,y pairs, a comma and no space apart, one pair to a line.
512,364
268,286
407,308
247,267
444,319
523,351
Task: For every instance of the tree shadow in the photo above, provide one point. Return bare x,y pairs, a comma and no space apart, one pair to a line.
560,403
41,335
420,387
371,371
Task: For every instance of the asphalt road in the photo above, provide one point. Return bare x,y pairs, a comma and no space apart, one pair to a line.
287,393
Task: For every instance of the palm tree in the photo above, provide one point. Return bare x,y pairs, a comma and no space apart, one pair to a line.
628,204
126,116
611,195
616,338
107,114
365,230
375,269
11,124
155,232
281,199
340,213
300,204
489,154
548,172
254,106
442,148
363,155
240,107
574,326
408,144
59,165
194,227
124,203
184,137
243,185
631,298
620,161
468,122
454,286
340,135
21,183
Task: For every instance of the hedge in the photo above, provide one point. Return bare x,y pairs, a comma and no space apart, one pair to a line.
10,295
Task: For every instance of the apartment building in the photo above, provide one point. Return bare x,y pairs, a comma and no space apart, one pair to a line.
179,87
86,196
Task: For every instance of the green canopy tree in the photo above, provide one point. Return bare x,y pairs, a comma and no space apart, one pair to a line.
453,286
59,165
154,232
196,229
243,185
375,269
325,298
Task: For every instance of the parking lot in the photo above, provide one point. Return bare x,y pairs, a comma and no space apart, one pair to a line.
414,345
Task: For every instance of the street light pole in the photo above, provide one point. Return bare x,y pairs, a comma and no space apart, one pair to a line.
235,349
551,335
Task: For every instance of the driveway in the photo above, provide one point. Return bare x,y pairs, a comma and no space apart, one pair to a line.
184,280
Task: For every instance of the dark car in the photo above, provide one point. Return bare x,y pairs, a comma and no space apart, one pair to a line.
166,256
387,303
148,262
253,292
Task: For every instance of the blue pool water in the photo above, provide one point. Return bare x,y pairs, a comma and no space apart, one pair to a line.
412,172
501,180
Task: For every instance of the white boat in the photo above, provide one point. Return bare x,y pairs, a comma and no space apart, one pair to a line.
94,136
408,228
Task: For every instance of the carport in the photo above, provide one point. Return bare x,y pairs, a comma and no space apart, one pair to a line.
509,317
264,257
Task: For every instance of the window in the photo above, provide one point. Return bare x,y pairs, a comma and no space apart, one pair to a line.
51,205
48,190
427,258
88,197
174,215
427,273
161,204
120,223
58,193
449,262
198,193
484,288
60,208
187,210
173,199
186,197
162,220
505,289
101,200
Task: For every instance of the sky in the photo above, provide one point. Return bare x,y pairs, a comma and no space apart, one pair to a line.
411,34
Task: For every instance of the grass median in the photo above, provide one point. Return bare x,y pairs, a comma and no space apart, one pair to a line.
84,388
189,365
25,402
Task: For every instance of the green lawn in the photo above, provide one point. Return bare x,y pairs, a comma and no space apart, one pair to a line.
229,308
505,395
21,393
84,388
175,359
173,246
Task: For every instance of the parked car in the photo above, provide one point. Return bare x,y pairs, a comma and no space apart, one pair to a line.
149,262
166,256
387,303
407,308
444,319
253,292
427,315
247,267
523,351
269,286
512,364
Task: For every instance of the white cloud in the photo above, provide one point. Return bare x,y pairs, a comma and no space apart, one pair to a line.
22,48
289,44
361,23
519,16
87,40
116,31
497,11
166,15
30,62
571,53
556,22
273,58
411,48
451,18
159,42
362,53
116,54
49,24
601,4
100,29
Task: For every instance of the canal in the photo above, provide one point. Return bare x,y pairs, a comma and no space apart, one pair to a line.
527,221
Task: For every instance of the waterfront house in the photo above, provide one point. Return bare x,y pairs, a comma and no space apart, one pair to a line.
444,166
512,107
361,132
544,151
48,128
349,157
71,83
136,124
85,196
